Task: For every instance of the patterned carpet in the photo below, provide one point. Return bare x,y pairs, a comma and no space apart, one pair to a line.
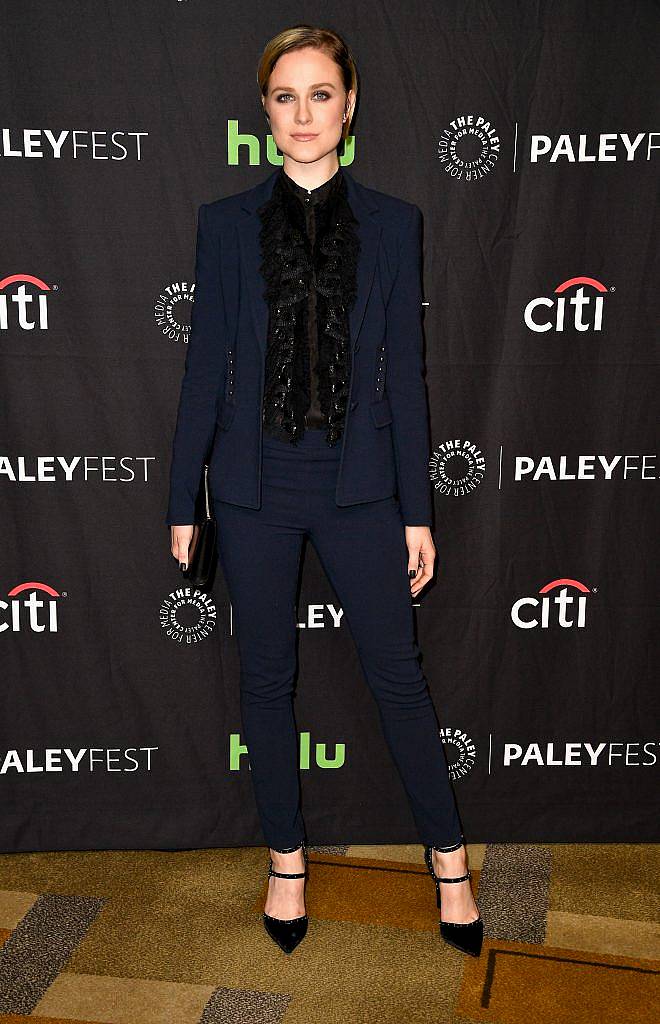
156,937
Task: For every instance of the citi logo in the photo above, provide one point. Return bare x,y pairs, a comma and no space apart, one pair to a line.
564,609
551,314
26,307
30,608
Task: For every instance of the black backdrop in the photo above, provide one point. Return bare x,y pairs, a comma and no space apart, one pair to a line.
528,134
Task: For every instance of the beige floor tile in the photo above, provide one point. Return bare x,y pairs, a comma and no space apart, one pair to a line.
14,905
613,935
123,1000
606,880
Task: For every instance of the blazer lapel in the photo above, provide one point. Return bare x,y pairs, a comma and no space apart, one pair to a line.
369,231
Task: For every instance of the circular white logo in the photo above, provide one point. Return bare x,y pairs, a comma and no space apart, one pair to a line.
172,311
460,751
188,615
469,147
457,467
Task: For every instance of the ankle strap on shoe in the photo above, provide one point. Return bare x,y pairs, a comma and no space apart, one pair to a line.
281,874
462,878
284,874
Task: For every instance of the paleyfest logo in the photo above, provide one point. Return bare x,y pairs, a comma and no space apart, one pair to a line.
568,610
460,751
585,467
173,311
188,615
469,147
24,307
581,754
607,147
569,306
70,143
457,467
30,608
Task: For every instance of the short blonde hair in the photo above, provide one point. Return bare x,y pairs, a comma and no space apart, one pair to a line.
325,39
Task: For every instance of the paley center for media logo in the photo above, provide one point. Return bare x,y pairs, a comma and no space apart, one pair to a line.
173,311
30,607
460,750
469,147
24,302
562,602
456,467
188,615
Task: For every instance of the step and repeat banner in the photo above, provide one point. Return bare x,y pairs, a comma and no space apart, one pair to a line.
529,135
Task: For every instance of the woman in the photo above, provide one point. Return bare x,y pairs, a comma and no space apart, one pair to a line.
306,351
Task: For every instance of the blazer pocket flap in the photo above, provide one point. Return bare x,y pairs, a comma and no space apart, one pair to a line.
381,412
226,414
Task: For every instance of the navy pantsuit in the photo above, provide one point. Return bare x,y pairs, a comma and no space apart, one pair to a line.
352,500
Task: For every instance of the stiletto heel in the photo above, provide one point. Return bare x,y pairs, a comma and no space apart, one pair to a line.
466,936
287,933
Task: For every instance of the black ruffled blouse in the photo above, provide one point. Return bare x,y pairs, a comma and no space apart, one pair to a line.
310,197
309,260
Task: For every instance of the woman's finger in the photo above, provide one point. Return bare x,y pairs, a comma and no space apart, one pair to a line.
425,574
181,545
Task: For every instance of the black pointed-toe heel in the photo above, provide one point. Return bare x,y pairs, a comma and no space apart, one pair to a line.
287,933
466,936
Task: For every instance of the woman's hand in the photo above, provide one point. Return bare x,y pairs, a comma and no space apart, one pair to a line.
421,556
184,539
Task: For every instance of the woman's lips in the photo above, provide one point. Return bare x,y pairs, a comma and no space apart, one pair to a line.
303,138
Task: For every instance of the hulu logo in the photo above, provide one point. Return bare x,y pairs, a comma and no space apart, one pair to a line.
236,139
238,750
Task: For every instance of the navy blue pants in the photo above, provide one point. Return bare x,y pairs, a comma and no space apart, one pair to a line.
363,551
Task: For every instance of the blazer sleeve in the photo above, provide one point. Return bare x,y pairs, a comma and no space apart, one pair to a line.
405,379
202,379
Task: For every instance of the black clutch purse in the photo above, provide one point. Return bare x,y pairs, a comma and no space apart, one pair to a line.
204,557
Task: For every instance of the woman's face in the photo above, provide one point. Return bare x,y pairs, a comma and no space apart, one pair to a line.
306,98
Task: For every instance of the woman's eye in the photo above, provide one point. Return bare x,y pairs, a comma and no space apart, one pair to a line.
319,92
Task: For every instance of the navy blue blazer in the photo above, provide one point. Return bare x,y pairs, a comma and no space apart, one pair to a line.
385,446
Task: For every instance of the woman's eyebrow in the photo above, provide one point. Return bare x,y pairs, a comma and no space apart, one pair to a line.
291,89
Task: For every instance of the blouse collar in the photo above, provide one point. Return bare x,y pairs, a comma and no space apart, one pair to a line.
314,195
